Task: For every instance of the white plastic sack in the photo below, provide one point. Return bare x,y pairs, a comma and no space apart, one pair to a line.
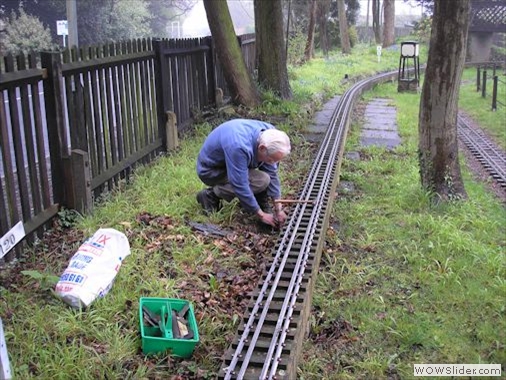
92,269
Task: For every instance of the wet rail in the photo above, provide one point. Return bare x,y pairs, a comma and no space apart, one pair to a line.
269,341
491,157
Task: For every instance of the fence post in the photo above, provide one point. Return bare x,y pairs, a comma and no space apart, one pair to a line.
494,94
53,98
211,72
478,79
161,85
78,184
484,86
171,131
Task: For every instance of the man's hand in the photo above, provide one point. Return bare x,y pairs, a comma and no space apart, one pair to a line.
280,217
267,218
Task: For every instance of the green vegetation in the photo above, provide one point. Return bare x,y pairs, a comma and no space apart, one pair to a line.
25,33
404,282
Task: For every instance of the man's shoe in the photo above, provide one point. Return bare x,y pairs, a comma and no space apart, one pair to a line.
263,202
209,200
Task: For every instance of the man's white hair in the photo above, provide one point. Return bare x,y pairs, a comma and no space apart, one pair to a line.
275,141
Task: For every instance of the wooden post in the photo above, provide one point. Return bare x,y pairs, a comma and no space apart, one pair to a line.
57,138
211,72
219,98
484,84
478,78
161,82
494,93
78,184
171,131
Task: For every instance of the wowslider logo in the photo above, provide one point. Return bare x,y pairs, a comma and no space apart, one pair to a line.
457,370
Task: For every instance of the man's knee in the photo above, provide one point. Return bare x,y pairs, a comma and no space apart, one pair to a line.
259,181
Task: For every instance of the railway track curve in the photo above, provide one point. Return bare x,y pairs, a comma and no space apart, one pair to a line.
491,157
269,341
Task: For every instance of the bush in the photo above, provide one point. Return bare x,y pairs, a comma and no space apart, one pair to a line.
296,46
352,31
422,29
25,33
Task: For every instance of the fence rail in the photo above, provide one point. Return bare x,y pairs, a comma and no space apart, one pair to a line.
74,124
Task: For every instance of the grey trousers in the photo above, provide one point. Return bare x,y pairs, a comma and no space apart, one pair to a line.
258,182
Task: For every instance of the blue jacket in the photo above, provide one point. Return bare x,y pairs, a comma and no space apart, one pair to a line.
233,146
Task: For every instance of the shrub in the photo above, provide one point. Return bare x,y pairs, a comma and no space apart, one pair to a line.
422,29
353,35
25,33
296,46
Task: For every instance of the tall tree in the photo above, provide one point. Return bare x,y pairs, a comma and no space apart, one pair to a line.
438,147
309,50
367,13
235,71
270,47
388,22
376,27
343,28
322,15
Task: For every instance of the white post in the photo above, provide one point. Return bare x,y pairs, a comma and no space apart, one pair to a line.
378,52
5,368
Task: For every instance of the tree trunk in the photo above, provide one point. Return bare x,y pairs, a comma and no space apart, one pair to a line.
309,50
270,48
367,14
323,10
376,27
388,23
343,28
438,144
238,78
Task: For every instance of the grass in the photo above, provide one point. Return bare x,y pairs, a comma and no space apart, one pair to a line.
401,281
480,109
415,284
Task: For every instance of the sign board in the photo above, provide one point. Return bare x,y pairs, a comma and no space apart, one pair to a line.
378,52
5,368
62,28
11,238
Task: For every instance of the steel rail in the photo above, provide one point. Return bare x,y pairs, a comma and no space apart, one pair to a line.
324,168
294,223
277,341
284,320
289,302
491,158
298,215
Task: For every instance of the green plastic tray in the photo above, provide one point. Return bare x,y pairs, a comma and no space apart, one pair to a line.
160,339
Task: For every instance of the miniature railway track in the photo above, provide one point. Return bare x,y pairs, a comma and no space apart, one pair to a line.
486,152
269,341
